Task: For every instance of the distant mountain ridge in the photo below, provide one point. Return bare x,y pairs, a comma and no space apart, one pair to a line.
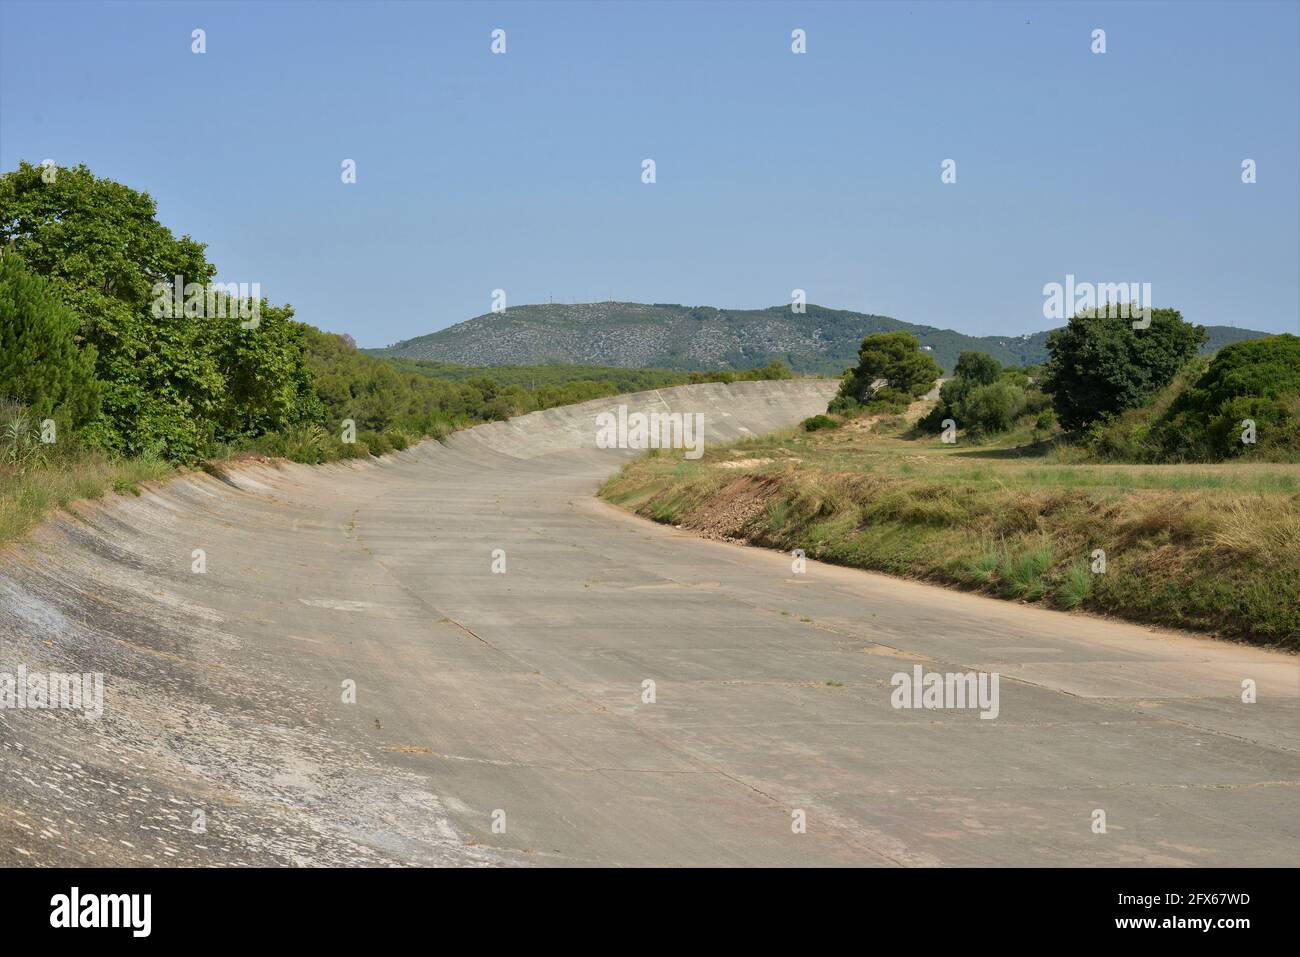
667,336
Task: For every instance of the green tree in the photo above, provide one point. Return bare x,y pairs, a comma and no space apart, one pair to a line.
100,243
973,369
977,368
1101,366
895,357
41,364
268,384
172,382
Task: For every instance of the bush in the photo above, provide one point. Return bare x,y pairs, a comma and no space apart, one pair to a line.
982,397
308,444
1258,379
352,450
990,408
1036,401
376,442
818,422
1127,437
21,448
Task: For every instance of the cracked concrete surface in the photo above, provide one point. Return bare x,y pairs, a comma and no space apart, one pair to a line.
522,692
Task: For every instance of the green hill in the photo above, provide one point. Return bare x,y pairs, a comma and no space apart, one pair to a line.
666,336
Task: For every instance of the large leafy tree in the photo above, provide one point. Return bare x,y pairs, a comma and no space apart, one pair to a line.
171,383
895,357
100,243
267,380
977,368
41,363
1101,366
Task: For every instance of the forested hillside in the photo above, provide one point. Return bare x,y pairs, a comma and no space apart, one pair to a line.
818,341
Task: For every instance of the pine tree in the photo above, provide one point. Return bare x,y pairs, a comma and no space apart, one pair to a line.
41,364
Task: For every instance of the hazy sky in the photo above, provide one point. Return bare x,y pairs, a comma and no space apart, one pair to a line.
774,170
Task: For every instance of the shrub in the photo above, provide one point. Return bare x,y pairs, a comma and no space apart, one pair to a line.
818,422
990,408
376,442
21,448
308,444
1127,437
983,397
1258,379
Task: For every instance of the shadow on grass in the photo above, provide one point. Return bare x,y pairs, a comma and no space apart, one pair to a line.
1035,450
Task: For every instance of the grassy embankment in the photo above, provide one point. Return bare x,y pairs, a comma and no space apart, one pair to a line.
63,474
1207,547
28,495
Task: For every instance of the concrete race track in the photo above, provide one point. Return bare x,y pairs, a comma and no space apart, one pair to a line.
517,698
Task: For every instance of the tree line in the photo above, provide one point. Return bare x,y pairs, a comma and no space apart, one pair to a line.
114,329
1119,392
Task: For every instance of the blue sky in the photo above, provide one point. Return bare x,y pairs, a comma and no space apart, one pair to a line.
775,171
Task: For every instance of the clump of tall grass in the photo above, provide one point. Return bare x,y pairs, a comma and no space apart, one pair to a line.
21,448
1075,584
777,512
1022,572
984,565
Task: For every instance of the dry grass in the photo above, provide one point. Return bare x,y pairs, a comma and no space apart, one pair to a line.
1261,529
